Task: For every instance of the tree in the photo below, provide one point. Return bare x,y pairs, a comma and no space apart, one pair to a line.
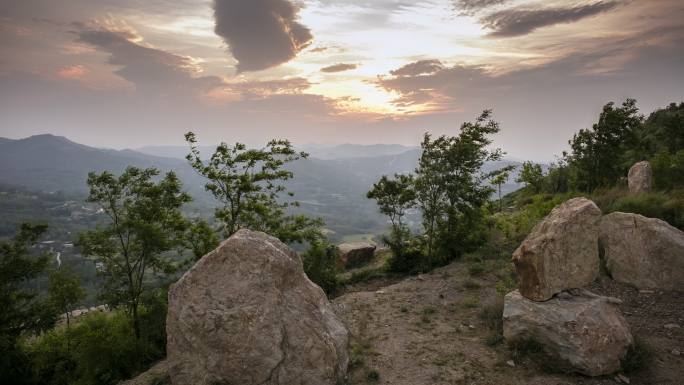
145,223
394,198
532,175
65,291
201,239
248,184
498,178
600,155
22,310
450,188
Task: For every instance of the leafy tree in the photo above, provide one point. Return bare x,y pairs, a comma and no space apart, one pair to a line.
532,175
600,155
65,291
248,183
499,177
22,310
201,239
450,188
395,197
145,224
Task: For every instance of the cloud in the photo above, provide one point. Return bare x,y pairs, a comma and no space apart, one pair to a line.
340,67
149,69
260,33
72,72
469,7
420,67
524,20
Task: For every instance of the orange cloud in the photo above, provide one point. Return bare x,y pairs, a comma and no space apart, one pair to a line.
73,72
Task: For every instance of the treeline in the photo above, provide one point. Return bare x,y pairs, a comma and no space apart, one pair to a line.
143,246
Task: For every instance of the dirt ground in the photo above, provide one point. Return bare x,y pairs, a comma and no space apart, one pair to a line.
427,330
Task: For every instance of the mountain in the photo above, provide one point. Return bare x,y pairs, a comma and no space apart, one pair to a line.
51,163
345,151
334,189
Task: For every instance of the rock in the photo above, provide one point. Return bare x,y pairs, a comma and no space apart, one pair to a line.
158,374
510,363
355,254
671,326
623,378
584,334
675,352
640,177
561,252
644,252
247,314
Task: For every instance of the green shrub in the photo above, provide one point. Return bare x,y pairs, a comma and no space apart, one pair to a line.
666,206
320,265
99,348
373,376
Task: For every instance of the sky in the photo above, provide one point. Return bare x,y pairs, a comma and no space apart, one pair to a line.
132,73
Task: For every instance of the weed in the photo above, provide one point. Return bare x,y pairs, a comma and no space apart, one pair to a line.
470,284
373,376
470,303
638,357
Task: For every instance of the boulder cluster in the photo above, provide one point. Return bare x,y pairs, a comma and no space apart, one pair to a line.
585,332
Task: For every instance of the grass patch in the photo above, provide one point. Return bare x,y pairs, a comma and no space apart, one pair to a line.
470,303
476,269
373,376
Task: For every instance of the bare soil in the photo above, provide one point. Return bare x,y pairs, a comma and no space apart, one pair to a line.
427,330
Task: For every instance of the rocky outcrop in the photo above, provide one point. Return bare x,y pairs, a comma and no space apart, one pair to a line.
561,252
584,333
355,254
644,252
247,314
640,177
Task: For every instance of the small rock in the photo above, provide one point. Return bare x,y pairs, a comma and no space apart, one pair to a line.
646,291
675,352
623,378
510,363
671,326
380,292
471,326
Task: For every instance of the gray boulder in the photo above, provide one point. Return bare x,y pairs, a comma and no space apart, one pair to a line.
583,333
640,177
561,252
247,314
355,254
644,252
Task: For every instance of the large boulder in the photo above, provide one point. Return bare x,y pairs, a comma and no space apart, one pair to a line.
640,177
247,314
644,252
583,333
561,252
355,254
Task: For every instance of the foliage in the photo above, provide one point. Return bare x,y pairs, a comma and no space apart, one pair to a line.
638,357
98,349
320,265
200,238
248,184
22,310
600,154
145,224
498,178
532,175
668,170
65,291
666,206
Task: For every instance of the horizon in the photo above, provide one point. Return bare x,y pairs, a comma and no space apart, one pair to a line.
121,74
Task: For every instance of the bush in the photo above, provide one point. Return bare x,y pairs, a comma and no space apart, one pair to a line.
320,265
409,257
99,348
666,206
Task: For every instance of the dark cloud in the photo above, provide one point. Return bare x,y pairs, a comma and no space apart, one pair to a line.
523,20
420,67
260,33
147,68
340,67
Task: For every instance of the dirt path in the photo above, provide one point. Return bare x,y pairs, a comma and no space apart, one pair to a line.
427,330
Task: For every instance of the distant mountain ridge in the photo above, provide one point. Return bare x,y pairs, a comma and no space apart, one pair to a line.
334,189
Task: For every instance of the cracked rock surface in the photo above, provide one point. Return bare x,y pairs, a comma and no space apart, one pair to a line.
247,314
